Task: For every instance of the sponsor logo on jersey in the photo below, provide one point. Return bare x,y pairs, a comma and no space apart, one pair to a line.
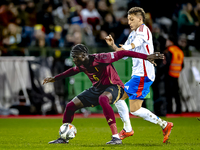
112,55
127,87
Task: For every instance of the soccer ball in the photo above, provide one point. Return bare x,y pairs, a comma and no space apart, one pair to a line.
67,131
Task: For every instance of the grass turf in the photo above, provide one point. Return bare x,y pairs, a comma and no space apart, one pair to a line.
93,133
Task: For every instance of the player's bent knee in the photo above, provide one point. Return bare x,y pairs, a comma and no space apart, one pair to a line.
103,99
134,109
77,102
135,105
71,106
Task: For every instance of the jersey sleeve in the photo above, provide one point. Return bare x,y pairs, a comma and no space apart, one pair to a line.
105,57
70,72
141,36
115,56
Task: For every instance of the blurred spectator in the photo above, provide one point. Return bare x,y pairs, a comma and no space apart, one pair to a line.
45,17
90,16
174,63
31,14
8,13
197,12
22,13
100,39
110,25
186,22
158,86
83,3
75,16
55,39
158,40
175,15
74,35
12,35
148,20
123,30
197,19
39,36
183,45
61,15
102,8
13,10
30,22
95,17
89,38
72,4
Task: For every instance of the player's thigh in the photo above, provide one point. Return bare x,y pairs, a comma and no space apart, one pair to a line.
114,92
77,102
90,97
135,104
109,95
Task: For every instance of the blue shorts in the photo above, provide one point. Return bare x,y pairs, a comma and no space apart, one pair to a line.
138,87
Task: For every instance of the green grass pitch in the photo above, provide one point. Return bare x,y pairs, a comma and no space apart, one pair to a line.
93,133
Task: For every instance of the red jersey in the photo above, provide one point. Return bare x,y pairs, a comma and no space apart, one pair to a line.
100,70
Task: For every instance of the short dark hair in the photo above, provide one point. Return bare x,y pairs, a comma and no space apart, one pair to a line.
80,48
136,11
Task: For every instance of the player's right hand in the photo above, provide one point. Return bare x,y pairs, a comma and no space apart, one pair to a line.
109,40
154,56
48,79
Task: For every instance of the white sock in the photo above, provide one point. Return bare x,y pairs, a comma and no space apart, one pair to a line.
149,116
124,114
162,123
116,135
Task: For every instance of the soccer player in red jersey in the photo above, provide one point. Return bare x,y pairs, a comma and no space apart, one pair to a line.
107,87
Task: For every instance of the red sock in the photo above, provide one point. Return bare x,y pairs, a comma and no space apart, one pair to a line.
68,115
108,113
113,128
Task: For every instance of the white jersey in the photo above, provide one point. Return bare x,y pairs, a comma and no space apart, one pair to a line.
142,39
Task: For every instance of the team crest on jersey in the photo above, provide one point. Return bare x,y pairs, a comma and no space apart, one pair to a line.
104,56
129,39
141,28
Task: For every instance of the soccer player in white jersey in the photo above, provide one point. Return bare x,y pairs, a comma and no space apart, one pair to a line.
143,75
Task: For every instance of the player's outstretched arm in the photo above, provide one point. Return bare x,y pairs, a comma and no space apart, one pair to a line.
70,72
48,79
115,56
154,56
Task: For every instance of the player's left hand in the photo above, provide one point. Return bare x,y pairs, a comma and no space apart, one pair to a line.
48,79
109,40
154,56
120,49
